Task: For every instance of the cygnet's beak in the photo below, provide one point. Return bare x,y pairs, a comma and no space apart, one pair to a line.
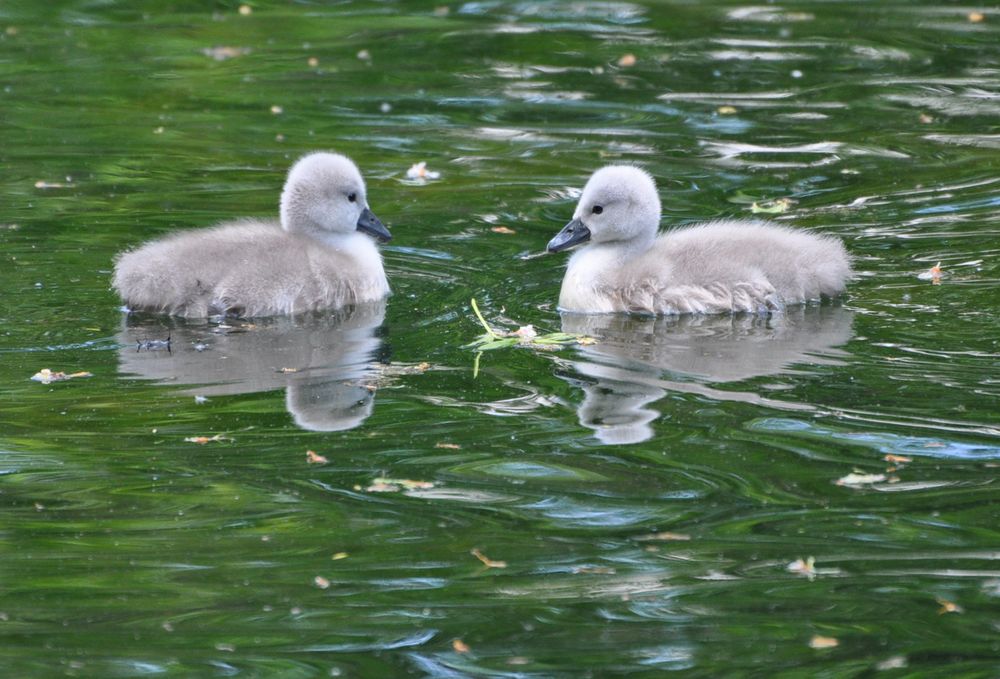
373,226
572,234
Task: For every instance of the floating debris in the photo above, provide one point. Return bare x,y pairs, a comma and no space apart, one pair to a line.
948,607
627,60
246,10
153,345
386,485
857,480
772,207
524,336
448,446
806,567
224,52
726,110
364,55
503,229
339,555
277,110
460,646
419,171
933,274
202,440
313,62
312,457
488,562
892,663
46,376
819,642
199,400
42,184
976,17
664,535
321,582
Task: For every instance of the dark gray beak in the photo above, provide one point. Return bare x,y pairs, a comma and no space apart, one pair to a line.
373,226
572,234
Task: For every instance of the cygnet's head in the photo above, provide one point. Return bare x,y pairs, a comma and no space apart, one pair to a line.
618,204
324,195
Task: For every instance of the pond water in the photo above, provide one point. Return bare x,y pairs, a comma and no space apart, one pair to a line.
808,494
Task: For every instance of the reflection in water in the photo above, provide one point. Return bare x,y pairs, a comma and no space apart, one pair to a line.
323,360
626,366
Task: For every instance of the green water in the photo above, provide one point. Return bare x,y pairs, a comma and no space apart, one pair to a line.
126,550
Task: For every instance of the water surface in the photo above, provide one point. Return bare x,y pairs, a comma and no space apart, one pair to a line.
630,507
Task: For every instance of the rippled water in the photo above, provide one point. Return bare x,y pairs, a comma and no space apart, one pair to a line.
812,493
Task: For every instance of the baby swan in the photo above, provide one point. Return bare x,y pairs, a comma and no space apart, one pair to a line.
720,266
319,256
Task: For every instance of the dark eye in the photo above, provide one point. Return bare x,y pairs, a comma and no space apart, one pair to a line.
352,197
598,209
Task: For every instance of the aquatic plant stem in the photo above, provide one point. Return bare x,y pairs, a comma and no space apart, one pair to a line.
479,315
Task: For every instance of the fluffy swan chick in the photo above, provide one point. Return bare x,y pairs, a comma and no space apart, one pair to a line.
320,255
720,266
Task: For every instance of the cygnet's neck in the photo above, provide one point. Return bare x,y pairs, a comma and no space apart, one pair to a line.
623,250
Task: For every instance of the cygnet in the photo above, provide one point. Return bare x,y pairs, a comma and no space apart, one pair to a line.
728,265
320,255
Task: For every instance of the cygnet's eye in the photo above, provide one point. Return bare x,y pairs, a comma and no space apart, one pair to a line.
597,210
352,197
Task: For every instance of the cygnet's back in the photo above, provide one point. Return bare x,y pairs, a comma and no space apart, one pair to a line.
722,266
317,257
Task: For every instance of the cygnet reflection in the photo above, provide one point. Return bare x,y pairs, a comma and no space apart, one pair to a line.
638,359
323,361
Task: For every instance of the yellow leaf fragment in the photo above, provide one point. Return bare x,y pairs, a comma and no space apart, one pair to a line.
449,446
897,459
246,10
488,562
948,607
819,642
202,440
312,457
976,17
806,567
503,229
460,646
338,556
321,582
726,110
932,274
